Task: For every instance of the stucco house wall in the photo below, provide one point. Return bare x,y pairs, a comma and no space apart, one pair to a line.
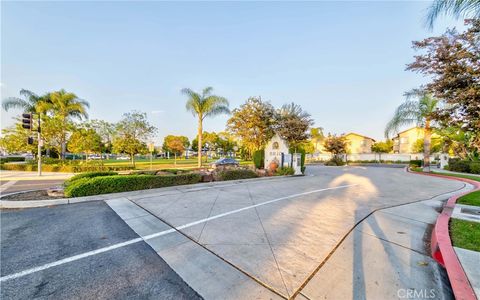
403,143
358,144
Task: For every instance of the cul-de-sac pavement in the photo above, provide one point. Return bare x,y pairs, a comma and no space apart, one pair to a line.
336,233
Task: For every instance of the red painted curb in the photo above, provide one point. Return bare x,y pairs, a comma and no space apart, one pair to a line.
441,244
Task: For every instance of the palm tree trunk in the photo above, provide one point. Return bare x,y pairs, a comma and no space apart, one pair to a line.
200,130
426,146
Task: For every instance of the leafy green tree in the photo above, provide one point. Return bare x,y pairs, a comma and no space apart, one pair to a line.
455,8
14,140
132,133
418,112
382,147
167,141
253,124
292,123
106,131
204,105
317,137
336,145
435,146
452,62
175,144
85,140
66,106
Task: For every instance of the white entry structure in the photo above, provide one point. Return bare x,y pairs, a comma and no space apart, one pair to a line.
274,150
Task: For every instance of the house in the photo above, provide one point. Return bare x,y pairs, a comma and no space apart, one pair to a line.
358,144
404,142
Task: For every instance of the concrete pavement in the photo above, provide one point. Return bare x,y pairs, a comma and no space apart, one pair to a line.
283,237
278,232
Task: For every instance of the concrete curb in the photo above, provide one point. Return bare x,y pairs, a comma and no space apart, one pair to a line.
178,188
441,244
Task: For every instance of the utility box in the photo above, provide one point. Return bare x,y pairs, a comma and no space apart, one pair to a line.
297,163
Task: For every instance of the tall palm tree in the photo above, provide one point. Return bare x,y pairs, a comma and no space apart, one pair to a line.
418,112
204,105
66,106
30,103
456,8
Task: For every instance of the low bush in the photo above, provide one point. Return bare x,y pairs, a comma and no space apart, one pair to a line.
259,159
11,159
144,172
285,171
89,175
475,167
237,174
335,161
125,183
458,165
415,163
62,168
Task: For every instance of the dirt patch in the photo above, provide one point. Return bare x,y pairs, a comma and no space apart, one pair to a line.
33,195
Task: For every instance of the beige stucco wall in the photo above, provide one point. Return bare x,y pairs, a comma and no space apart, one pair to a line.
405,141
357,144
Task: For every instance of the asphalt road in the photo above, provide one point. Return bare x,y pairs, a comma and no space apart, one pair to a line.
34,237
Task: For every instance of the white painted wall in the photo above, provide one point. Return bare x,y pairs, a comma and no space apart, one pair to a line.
272,153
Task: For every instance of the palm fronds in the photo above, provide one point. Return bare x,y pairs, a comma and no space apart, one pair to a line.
455,8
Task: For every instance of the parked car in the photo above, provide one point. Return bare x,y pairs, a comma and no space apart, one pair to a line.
225,162
123,157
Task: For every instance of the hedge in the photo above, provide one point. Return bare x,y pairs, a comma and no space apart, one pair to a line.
62,168
125,183
259,159
416,163
285,171
237,174
11,158
89,175
464,166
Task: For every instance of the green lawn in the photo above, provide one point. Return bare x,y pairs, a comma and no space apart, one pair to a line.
465,234
163,163
470,199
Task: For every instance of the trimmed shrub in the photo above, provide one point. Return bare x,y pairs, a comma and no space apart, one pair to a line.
62,168
475,167
416,163
144,172
237,174
458,165
335,161
125,183
285,171
11,159
259,159
89,175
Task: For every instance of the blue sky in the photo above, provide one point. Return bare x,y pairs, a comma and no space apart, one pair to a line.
343,62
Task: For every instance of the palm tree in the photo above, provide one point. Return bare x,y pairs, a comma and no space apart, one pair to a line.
65,106
31,102
456,8
204,105
418,112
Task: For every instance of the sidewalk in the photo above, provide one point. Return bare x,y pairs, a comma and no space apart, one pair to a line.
438,170
18,176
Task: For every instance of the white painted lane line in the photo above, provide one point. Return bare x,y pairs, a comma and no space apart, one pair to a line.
69,259
7,185
151,236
